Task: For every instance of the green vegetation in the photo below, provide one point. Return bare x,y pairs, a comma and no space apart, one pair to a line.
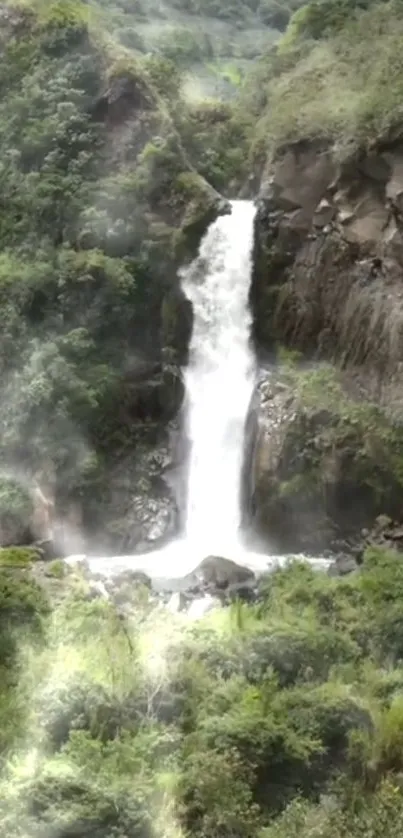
336,464
274,720
15,511
90,219
324,80
294,703
359,427
57,569
18,556
270,12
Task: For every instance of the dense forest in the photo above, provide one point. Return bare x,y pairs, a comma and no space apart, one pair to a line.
125,127
276,719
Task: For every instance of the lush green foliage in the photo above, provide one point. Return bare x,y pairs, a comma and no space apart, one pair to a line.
324,80
238,723
357,428
275,720
91,218
322,18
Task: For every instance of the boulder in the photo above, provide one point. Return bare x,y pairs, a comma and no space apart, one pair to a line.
216,577
385,534
220,573
220,577
342,565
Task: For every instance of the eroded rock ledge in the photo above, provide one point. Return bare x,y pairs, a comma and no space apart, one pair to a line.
329,255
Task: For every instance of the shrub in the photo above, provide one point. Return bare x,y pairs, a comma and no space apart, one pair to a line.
18,557
342,88
321,18
217,801
15,511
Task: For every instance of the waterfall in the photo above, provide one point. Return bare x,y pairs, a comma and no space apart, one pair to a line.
219,380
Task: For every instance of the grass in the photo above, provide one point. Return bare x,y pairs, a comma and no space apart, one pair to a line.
347,89
18,556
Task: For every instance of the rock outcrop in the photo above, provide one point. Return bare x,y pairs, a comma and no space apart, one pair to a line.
329,256
327,282
324,465
216,577
214,583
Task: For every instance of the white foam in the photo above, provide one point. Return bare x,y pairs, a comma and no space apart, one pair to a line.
219,382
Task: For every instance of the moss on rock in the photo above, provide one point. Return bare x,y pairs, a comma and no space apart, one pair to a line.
325,464
18,556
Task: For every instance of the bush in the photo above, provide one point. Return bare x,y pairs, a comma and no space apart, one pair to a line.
342,88
322,18
217,801
183,46
74,806
57,569
23,609
18,557
131,38
15,512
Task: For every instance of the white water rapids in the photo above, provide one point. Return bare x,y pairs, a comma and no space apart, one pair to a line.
219,380
219,383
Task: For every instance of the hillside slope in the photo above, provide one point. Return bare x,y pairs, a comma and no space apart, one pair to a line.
100,203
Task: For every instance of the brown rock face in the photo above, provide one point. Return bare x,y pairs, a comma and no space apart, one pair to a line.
323,464
329,256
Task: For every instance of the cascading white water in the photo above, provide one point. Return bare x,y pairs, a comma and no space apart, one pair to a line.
219,380
219,383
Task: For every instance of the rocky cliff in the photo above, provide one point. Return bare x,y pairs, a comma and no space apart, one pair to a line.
328,284
329,255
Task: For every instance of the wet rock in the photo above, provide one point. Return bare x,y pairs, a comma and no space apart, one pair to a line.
48,549
176,325
203,605
221,578
177,602
138,510
386,534
222,573
149,521
322,469
197,206
324,213
343,565
155,397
